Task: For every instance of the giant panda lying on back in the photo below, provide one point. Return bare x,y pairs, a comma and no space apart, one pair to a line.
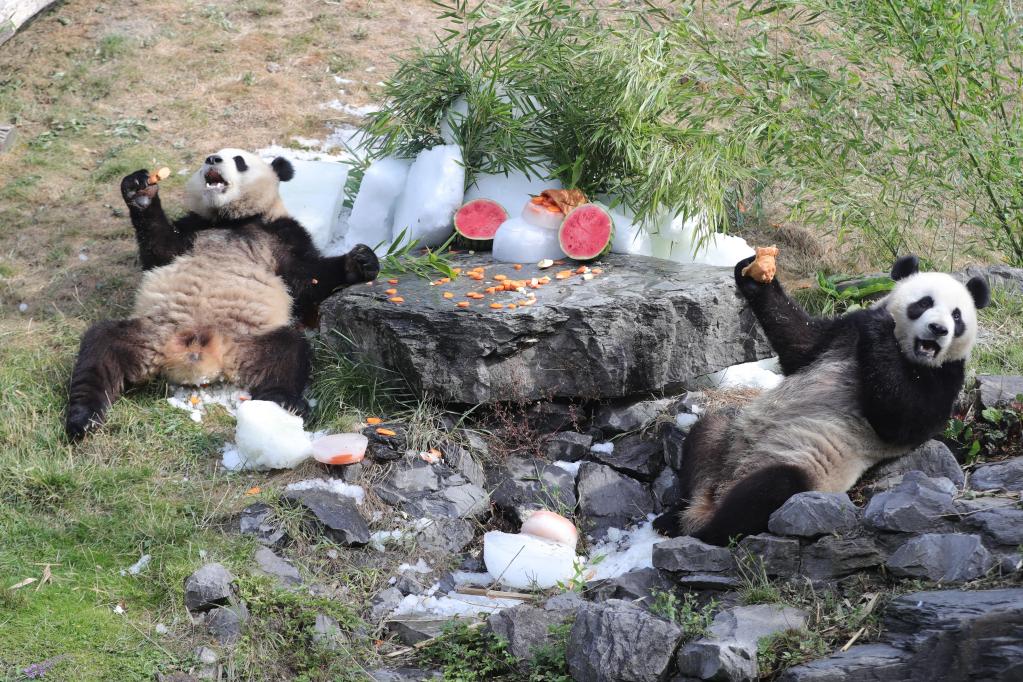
858,389
222,288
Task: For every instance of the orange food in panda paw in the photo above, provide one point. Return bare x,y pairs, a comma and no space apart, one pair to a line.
158,175
763,268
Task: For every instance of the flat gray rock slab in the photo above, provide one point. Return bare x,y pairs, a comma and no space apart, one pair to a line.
616,641
644,325
999,390
1007,475
948,557
814,513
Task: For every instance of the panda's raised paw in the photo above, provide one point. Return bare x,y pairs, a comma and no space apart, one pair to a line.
137,191
362,264
747,286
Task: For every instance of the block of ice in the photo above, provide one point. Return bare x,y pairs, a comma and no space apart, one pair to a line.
517,241
314,197
433,192
629,237
373,209
522,561
763,374
269,437
453,119
512,191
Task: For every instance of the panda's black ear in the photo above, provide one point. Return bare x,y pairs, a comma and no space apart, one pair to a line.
905,266
977,286
285,171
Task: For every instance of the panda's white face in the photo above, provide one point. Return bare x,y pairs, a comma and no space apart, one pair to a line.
935,318
234,183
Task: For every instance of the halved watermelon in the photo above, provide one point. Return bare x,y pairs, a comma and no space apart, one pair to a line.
586,233
477,222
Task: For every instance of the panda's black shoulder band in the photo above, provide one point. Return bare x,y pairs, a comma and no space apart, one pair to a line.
905,266
285,171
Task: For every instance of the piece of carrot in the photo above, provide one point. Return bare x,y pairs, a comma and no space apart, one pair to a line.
392,281
500,278
564,274
448,294
385,432
463,304
597,271
512,306
372,421
396,299
517,266
254,490
390,292
496,306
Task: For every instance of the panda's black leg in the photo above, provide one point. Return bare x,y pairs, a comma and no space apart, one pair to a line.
794,335
746,508
323,275
275,367
111,355
158,241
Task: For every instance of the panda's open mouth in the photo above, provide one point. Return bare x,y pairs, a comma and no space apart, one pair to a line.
214,180
926,348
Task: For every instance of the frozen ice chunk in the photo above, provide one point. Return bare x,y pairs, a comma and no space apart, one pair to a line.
512,191
314,197
332,485
269,437
373,209
453,119
629,237
763,374
522,561
683,229
685,420
433,192
723,250
517,241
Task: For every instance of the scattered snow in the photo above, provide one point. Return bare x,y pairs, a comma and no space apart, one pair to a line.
418,567
603,448
333,485
343,81
23,307
762,374
623,551
338,105
452,605
570,467
472,579
380,538
685,420
138,566
196,401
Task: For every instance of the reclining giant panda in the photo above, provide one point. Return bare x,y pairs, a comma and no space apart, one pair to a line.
858,389
221,290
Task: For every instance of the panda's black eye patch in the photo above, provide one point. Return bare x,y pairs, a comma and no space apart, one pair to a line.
240,164
960,326
915,310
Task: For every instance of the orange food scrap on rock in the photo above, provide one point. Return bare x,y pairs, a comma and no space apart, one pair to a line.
500,278
396,299
448,294
392,281
564,274
385,432
764,267
496,306
391,292
463,304
512,306
254,490
373,421
518,266
597,271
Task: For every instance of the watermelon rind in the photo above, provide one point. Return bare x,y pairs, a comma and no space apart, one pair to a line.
583,257
477,242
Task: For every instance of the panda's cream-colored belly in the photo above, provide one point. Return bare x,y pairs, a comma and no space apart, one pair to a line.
226,288
813,421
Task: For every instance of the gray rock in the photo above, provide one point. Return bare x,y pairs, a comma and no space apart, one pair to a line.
525,628
335,515
660,324
257,520
933,458
380,452
411,630
383,602
327,633
1004,526
459,501
729,649
814,513
547,416
462,461
1002,276
832,557
569,446
608,499
226,623
528,484
998,391
948,557
863,663
446,535
1007,475
272,565
686,554
404,675
667,488
407,584
633,456
672,440
625,417
616,640
209,587
407,480
708,582
206,655
640,583
917,504
778,556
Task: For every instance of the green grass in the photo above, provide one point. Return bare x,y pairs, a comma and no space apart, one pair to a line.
1000,347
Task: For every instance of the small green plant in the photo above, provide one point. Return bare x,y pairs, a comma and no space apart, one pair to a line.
998,434
580,575
756,587
401,258
468,653
686,612
783,650
550,663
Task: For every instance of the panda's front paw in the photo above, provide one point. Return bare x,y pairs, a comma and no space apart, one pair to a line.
362,265
137,191
80,419
747,286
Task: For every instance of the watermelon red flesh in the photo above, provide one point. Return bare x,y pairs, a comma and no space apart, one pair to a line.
478,220
586,233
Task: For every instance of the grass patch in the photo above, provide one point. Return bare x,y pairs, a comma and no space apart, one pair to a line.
999,348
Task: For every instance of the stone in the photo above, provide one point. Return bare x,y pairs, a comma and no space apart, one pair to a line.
778,556
729,649
274,566
446,535
410,630
1007,475
528,484
998,391
8,133
399,441
547,416
383,603
948,557
667,489
327,633
608,499
206,655
672,440
525,628
933,458
634,456
568,446
335,515
812,514
225,623
918,503
407,479
1002,276
209,587
257,520
640,583
461,460
863,663
380,452
404,675
1004,526
708,582
617,640
645,326
630,416
832,557
686,554
407,584
566,601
